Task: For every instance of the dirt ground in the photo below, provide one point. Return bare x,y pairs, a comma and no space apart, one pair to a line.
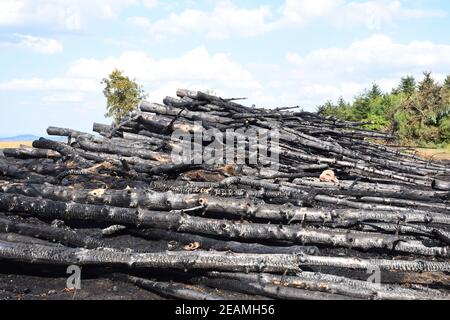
26,287
20,281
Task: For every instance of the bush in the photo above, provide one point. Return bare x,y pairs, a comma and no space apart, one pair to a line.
378,122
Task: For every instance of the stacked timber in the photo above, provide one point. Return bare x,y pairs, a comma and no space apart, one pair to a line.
337,209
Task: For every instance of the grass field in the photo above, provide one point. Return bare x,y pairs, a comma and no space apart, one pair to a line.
14,144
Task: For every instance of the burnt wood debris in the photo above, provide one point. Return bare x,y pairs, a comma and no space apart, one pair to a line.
344,216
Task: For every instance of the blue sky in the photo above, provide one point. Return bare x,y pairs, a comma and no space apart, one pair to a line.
54,53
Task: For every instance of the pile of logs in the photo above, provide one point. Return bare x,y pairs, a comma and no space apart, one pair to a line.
343,217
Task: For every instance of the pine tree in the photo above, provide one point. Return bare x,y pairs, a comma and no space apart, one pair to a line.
375,91
446,85
407,85
427,84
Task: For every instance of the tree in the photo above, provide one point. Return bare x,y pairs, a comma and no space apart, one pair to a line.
427,85
407,85
122,94
445,93
446,85
443,115
341,110
361,106
417,113
375,91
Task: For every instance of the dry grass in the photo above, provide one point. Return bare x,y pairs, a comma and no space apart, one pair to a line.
14,144
436,154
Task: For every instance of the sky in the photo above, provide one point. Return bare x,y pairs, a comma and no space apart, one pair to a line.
54,53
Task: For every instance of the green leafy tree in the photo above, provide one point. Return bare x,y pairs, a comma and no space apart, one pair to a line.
122,95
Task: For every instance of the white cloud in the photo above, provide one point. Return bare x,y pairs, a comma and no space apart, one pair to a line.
374,14
194,66
142,22
298,12
371,14
333,72
10,12
63,14
36,44
53,84
150,3
379,53
68,97
196,69
307,80
226,19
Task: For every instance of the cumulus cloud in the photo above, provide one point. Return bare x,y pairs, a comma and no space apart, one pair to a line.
68,97
371,14
196,65
374,14
10,12
142,22
150,3
226,19
303,79
333,72
377,54
312,78
196,69
53,84
299,12
63,14
35,44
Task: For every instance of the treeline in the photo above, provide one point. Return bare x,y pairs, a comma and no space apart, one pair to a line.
418,113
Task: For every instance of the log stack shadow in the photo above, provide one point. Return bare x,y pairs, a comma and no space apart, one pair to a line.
343,217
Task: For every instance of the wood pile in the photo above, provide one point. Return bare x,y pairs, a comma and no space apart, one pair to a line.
340,211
